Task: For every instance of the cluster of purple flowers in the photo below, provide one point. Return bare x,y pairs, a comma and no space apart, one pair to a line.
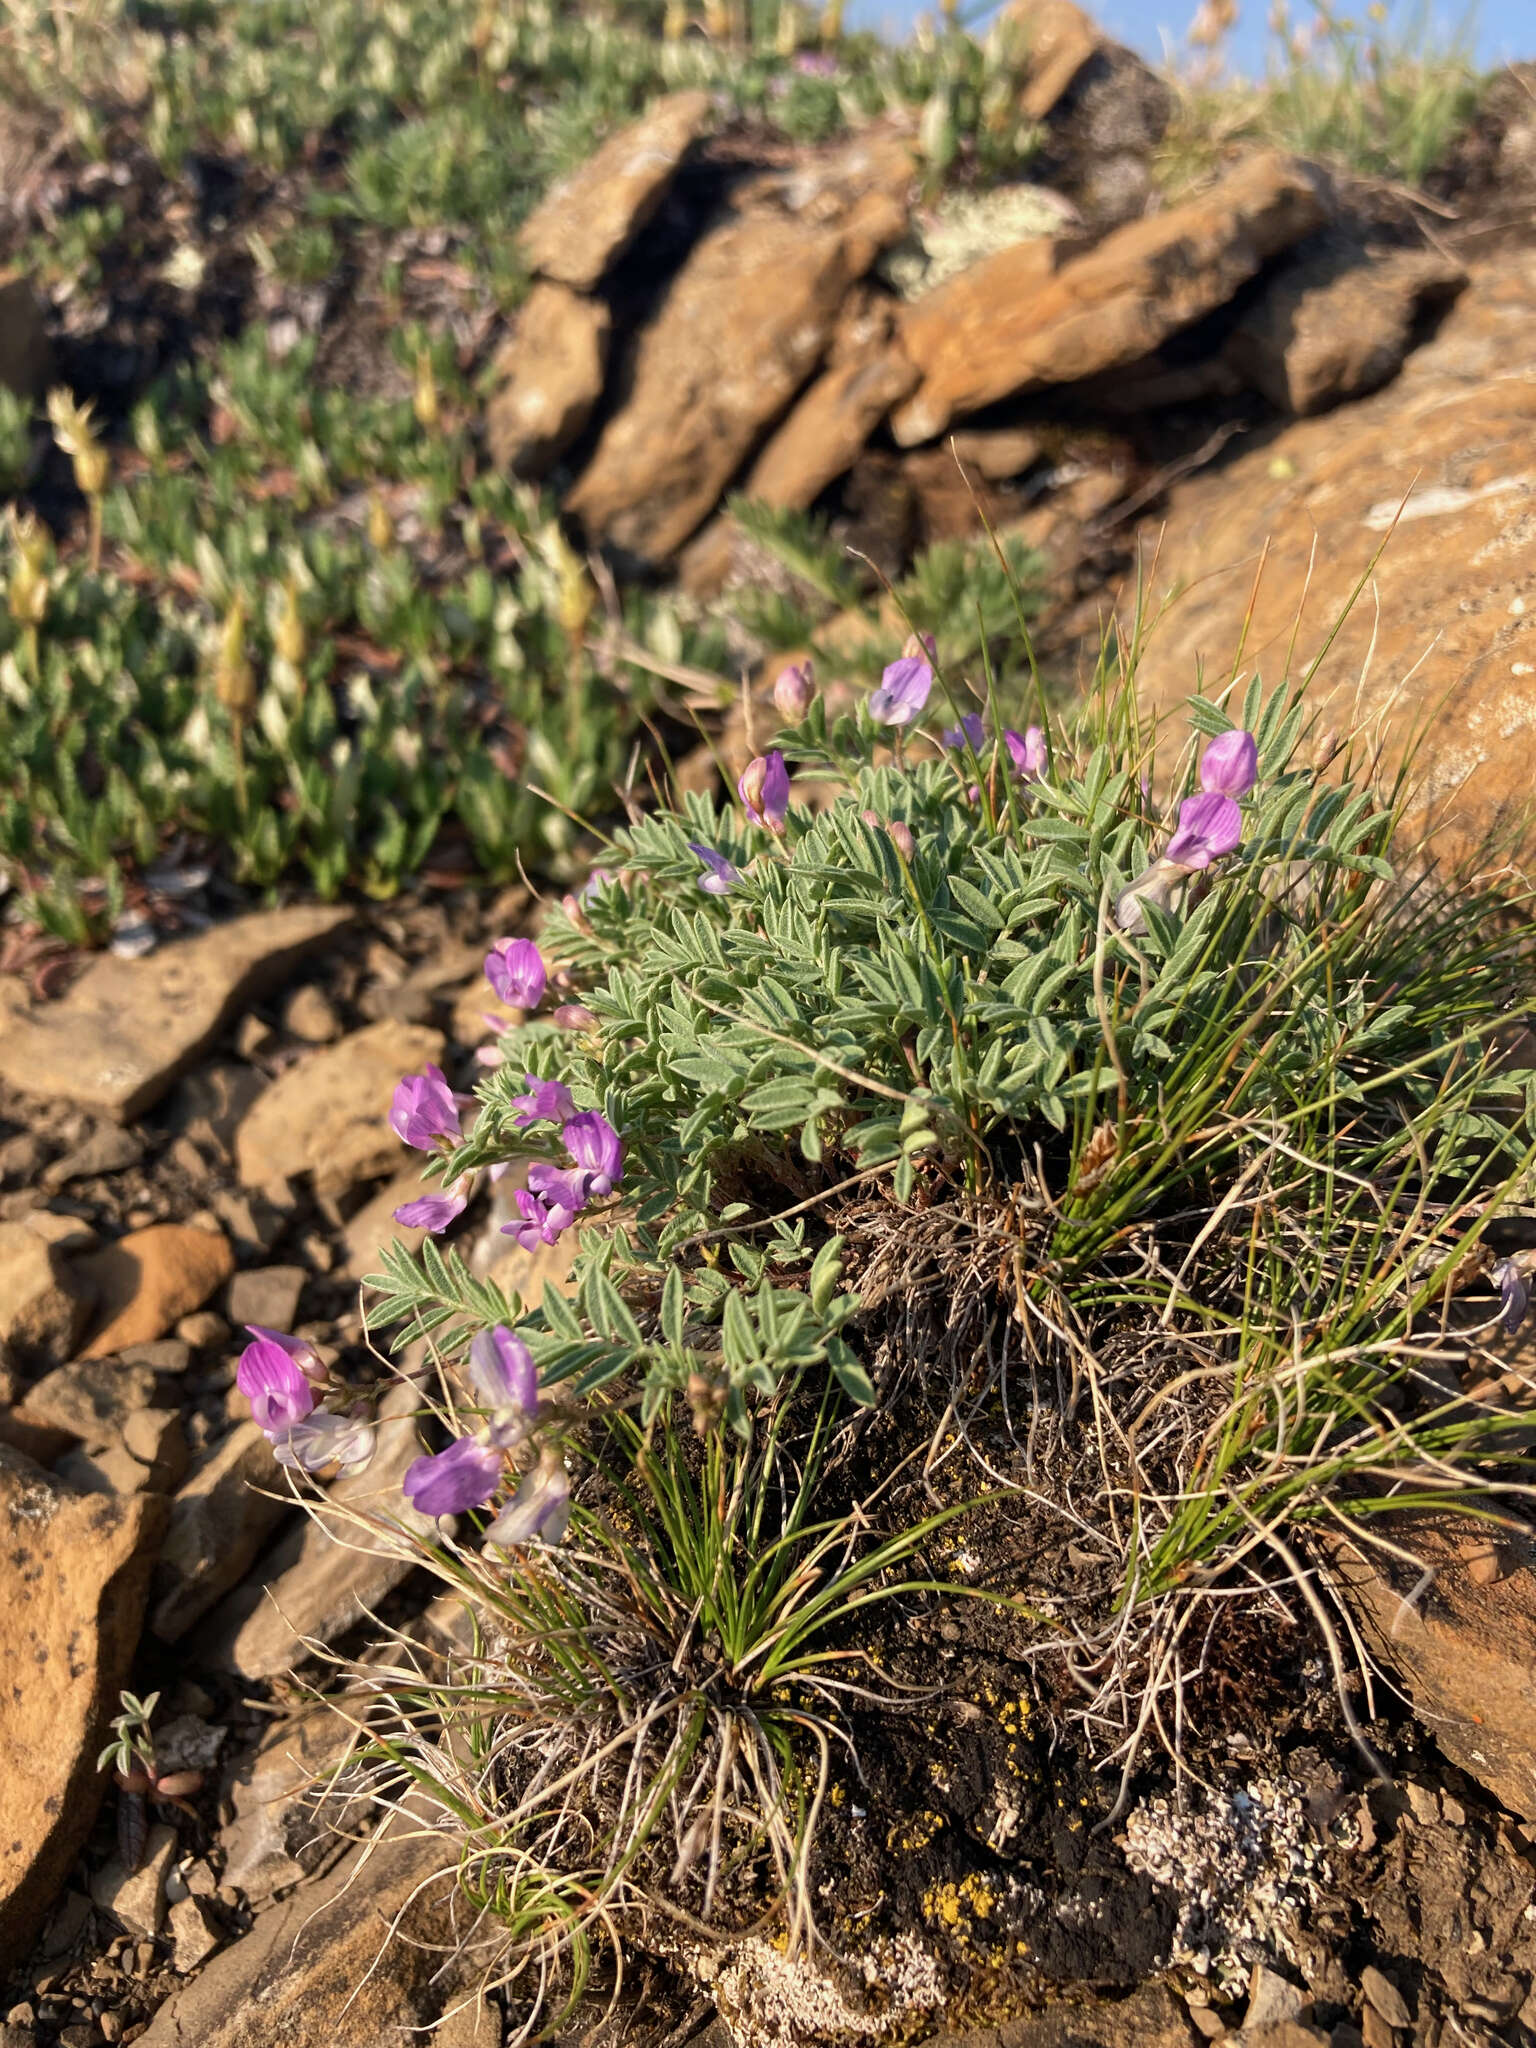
1210,827
279,1375
470,1471
556,1195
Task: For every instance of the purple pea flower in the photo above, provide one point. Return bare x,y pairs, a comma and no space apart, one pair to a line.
718,872
574,1017
903,691
503,1375
1209,828
970,728
1514,1294
299,1349
424,1110
515,969
594,1145
275,1385
539,1511
764,790
816,64
434,1213
1026,750
1230,765
448,1482
322,1439
546,1102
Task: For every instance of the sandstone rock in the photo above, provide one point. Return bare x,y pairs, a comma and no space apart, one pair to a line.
91,1399
327,1115
1272,1999
1453,604
473,1006
218,1522
136,1898
837,413
127,1028
474,2024
293,1805
74,1569
1059,38
43,1303
310,1014
151,1278
1465,1651
587,219
550,378
1027,317
327,1571
997,453
268,1296
324,1968
194,1935
26,357
374,1226
1336,320
744,324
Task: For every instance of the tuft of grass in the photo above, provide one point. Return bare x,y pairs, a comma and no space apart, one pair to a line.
1372,98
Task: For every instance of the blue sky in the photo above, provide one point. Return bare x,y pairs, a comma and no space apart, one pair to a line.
1496,30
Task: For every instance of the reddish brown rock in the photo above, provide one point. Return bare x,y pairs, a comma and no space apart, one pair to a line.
151,1278
551,374
1447,633
1337,320
1029,317
127,1028
1058,39
745,323
1465,1650
74,1569
584,221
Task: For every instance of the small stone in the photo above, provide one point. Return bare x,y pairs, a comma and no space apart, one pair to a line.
189,1743
151,1278
268,1296
1207,2022
310,1014
254,1220
194,1935
43,1302
80,2035
92,1400
1377,2032
22,2015
1422,1803
327,1114
1452,1812
109,1149
113,1470
143,1958
1271,1999
165,1354
1384,1997
126,1028
136,1898
203,1330
253,1037
155,1437
219,1521
1486,1560
111,2026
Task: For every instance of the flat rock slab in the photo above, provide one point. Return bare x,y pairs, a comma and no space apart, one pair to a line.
588,218
328,1570
148,1280
291,1808
1466,1651
327,1115
127,1028
74,1572
550,376
1337,320
744,324
348,1960
1446,636
219,1520
1035,315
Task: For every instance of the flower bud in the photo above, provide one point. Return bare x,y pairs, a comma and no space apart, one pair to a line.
794,690
381,528
424,397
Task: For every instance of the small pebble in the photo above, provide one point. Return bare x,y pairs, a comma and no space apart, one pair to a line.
1422,1804
1375,2031
111,2026
22,2015
1207,2022
1384,1996
144,1957
207,1327
77,2037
